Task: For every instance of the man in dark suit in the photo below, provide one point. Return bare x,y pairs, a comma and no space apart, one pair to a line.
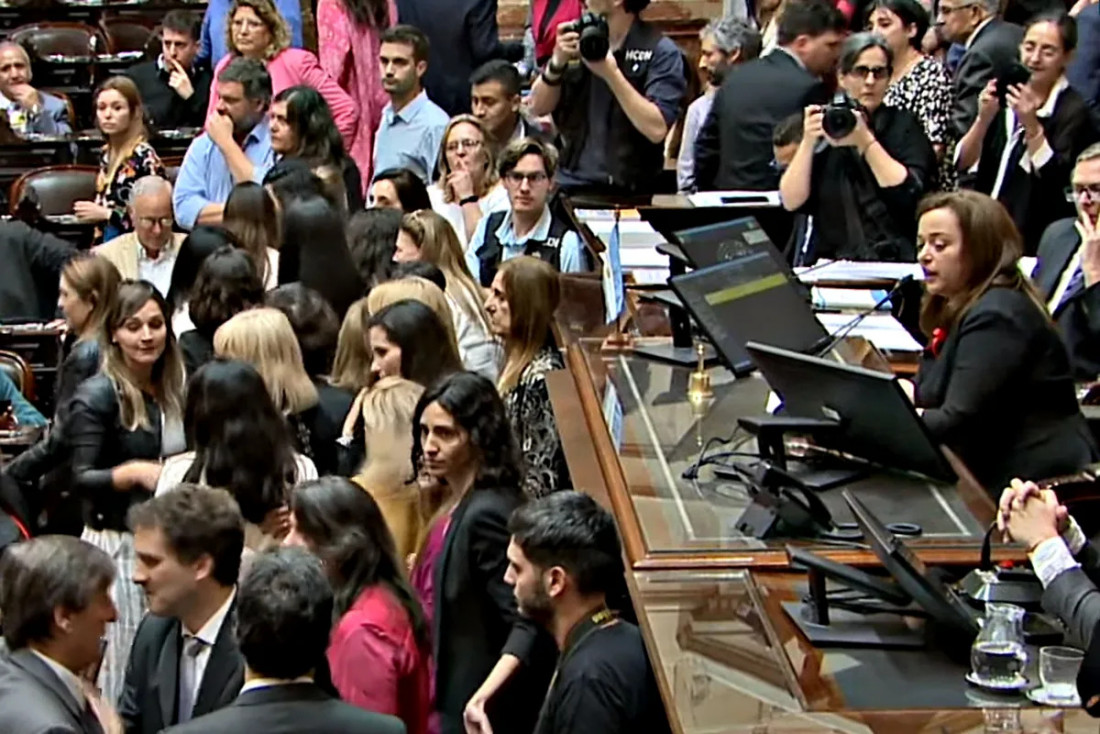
32,269
184,661
991,46
175,87
284,616
55,603
1068,274
734,148
1083,71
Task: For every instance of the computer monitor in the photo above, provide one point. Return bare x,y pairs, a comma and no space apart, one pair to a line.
749,298
715,243
876,419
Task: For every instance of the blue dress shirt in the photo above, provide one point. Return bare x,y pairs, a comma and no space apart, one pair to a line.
213,42
410,138
204,178
570,258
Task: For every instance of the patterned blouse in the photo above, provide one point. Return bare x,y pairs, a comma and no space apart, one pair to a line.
115,194
926,91
532,418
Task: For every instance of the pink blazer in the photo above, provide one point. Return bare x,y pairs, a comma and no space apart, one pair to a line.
295,66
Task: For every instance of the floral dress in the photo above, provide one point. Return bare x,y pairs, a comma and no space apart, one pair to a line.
926,92
115,194
532,418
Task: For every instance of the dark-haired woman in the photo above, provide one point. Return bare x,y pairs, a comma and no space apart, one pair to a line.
252,219
408,340
302,127
199,244
239,443
491,662
372,239
995,383
380,648
315,253
401,189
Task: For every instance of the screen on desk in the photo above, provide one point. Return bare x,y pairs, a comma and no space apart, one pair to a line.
748,298
715,243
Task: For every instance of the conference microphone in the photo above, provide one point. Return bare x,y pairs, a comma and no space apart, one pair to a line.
843,331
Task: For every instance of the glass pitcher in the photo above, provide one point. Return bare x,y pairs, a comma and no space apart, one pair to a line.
998,656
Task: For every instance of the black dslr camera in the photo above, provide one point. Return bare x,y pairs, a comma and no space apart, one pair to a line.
839,118
595,40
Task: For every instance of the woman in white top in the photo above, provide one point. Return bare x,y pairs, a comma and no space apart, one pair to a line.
468,187
252,220
426,236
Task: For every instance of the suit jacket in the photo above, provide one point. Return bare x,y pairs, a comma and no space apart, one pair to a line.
290,709
122,251
1001,395
994,47
1077,317
33,700
1073,597
163,106
32,268
1084,69
734,147
150,693
476,620
53,118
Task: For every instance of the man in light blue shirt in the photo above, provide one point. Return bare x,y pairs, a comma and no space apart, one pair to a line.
528,226
235,148
214,22
412,125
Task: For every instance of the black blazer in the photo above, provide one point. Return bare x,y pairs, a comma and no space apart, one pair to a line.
32,269
1000,394
995,47
149,695
1037,199
33,699
325,422
290,709
197,349
164,108
1077,317
733,149
476,620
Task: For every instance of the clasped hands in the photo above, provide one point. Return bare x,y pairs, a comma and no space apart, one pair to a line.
1029,515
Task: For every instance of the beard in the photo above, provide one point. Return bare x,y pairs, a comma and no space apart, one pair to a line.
537,607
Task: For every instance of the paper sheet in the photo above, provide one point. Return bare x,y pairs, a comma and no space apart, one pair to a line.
881,329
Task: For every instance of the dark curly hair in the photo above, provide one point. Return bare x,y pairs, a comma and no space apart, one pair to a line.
227,284
475,404
314,323
372,239
308,114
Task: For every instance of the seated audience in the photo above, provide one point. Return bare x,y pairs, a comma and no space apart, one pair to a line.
150,251
175,86
1021,153
252,221
528,226
126,157
412,125
495,99
380,647
565,559
522,300
408,340
56,604
200,243
1069,269
235,147
468,187
861,187
372,239
32,266
302,127
724,42
315,253
995,385
400,189
122,423
226,285
185,661
487,656
217,19
284,617
28,111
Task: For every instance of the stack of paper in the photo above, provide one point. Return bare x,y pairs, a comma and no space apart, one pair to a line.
881,329
637,242
847,299
850,271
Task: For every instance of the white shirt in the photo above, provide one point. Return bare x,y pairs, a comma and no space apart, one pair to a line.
209,635
255,683
1014,131
175,469
159,271
1067,274
1055,556
495,200
68,678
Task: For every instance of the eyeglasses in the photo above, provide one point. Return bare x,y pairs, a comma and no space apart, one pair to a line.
516,178
878,72
165,222
465,144
1083,192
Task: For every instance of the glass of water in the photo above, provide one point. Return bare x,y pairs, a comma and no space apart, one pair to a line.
1058,668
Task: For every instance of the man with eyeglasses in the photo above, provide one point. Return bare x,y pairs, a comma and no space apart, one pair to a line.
991,46
528,226
149,252
1068,274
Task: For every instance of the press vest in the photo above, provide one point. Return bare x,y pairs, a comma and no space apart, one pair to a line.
491,251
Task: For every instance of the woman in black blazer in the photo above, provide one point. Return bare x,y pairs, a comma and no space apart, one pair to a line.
491,661
995,383
1034,133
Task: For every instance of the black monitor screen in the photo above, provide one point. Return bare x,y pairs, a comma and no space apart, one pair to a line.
715,243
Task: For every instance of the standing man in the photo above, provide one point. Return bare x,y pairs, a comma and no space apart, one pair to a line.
563,560
56,605
235,148
613,113
29,111
724,43
185,661
734,148
175,88
495,100
412,125
149,252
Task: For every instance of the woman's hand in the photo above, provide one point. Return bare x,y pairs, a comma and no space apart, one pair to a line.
812,131
461,182
276,523
988,104
90,212
860,138
1025,103
137,474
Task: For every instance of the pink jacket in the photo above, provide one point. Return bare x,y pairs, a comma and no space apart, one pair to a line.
293,67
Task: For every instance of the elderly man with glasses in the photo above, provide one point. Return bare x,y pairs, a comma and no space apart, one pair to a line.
149,252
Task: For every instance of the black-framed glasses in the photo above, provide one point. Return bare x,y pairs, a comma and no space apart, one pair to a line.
517,178
1081,192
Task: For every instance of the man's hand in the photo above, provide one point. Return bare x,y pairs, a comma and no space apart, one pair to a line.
1033,519
605,67
178,79
105,712
1090,256
89,212
567,46
475,718
25,96
220,129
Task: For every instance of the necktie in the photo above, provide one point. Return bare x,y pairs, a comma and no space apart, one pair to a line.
189,676
1076,285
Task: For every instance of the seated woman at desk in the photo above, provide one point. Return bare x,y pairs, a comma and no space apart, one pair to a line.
995,382
861,187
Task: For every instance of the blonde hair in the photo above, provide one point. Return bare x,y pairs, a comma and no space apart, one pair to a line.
271,17
135,135
417,289
387,410
264,338
532,289
439,246
95,280
489,177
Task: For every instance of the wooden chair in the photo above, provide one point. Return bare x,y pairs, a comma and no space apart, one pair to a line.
65,38
55,187
16,368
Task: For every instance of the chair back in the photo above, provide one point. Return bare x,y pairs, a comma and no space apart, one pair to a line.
55,188
16,368
127,34
64,38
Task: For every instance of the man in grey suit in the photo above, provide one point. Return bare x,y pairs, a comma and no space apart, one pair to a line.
284,616
29,111
55,605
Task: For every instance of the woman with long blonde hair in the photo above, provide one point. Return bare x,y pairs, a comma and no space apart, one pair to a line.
126,157
468,186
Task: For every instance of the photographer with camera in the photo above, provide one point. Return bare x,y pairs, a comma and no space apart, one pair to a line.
862,166
1030,128
614,85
